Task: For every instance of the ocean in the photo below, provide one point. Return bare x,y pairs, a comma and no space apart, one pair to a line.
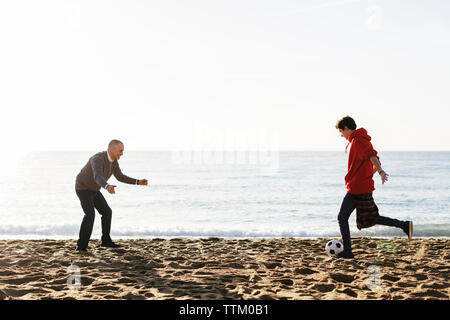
223,194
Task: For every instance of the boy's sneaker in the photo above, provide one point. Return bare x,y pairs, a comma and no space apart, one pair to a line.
408,229
345,255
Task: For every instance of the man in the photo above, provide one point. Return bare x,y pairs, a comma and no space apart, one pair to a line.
363,162
90,180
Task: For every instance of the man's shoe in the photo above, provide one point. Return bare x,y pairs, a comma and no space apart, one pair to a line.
345,255
408,229
109,244
81,249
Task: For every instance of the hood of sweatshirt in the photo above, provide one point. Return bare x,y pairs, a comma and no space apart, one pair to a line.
358,133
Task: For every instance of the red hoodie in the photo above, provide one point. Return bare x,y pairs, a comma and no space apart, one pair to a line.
360,169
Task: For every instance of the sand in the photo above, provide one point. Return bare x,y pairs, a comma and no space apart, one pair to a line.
216,268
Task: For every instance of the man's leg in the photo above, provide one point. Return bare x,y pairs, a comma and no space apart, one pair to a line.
103,208
86,199
346,210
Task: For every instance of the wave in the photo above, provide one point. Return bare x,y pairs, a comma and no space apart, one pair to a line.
71,231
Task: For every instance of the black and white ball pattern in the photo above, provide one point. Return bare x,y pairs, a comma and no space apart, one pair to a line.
334,247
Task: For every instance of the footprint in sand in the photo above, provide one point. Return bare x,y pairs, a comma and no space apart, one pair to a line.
130,296
226,278
406,284
390,278
431,293
272,265
176,258
175,265
287,282
233,265
230,287
304,271
196,265
15,293
132,258
8,273
25,262
105,288
436,285
203,273
22,280
86,281
323,287
255,278
265,297
420,276
341,277
349,292
126,280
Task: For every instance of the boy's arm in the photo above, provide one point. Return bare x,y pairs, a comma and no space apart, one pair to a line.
377,165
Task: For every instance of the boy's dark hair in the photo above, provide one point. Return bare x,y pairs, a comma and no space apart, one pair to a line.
346,122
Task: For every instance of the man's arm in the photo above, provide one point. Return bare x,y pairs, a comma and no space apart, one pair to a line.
123,178
377,165
97,169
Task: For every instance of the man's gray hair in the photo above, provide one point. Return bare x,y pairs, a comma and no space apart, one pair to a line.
114,142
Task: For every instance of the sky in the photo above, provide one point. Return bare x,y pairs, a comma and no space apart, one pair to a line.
175,75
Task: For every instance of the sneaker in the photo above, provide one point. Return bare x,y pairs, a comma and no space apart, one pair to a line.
408,229
345,255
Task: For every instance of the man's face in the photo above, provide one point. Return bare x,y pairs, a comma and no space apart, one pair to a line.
116,151
345,133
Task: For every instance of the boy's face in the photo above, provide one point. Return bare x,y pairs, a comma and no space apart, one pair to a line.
346,132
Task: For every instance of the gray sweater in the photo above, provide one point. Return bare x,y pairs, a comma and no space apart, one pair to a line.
97,171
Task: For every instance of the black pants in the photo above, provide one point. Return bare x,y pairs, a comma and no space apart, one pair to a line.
347,208
91,200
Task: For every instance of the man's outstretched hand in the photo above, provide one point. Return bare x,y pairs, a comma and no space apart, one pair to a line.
143,182
110,189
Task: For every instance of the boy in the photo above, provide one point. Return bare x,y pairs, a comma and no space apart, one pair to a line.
363,162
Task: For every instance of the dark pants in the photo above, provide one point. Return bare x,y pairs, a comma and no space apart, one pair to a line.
91,200
347,208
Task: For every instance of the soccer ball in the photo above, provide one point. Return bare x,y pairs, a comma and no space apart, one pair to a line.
334,247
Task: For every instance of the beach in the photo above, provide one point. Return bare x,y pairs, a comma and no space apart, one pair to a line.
218,268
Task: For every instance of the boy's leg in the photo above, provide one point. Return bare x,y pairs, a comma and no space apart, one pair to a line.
386,221
406,226
346,210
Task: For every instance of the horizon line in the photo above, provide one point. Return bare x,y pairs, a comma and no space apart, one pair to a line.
219,150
